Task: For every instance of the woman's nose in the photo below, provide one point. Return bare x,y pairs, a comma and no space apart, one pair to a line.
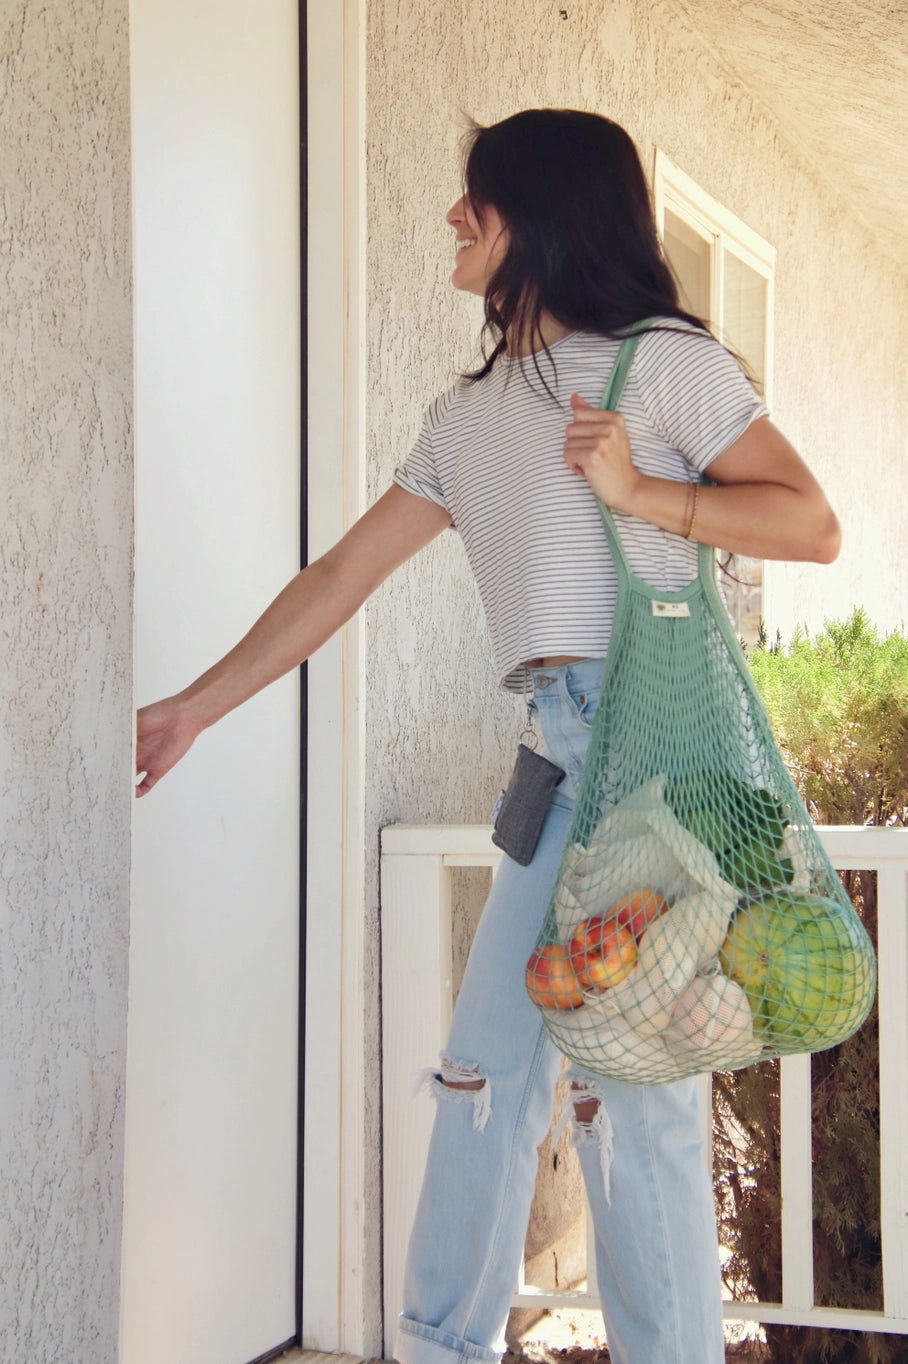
455,213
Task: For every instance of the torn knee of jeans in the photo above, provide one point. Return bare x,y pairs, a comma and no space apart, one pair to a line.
460,1074
460,1082
592,1125
586,1101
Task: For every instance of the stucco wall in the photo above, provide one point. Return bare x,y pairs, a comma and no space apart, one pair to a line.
439,736
65,444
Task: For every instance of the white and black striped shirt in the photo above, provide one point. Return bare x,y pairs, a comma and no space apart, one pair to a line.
491,453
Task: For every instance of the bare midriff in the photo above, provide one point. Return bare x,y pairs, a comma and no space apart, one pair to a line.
553,661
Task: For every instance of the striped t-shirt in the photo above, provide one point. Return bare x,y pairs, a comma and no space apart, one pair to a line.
491,453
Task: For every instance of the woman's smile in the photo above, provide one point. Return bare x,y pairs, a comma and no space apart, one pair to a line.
479,247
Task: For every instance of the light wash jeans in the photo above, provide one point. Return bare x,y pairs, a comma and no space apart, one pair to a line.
642,1156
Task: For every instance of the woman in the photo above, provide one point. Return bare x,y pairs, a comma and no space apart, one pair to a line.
555,231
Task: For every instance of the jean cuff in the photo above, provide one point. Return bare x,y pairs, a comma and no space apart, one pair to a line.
419,1344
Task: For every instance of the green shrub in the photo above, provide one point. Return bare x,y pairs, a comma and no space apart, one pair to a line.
839,709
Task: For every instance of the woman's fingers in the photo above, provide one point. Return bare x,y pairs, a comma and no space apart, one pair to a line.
591,425
596,446
594,432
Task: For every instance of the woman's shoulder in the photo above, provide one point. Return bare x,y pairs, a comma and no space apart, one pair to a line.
693,392
662,336
462,396
672,346
675,335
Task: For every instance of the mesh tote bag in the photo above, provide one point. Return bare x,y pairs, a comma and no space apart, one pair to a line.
696,923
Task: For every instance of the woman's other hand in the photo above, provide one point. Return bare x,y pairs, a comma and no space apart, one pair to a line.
596,446
765,503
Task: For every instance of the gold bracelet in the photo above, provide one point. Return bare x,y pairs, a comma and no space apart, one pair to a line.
693,515
688,502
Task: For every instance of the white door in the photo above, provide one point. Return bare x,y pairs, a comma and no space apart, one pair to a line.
209,1270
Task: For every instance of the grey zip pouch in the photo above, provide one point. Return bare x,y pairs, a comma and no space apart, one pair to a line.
525,804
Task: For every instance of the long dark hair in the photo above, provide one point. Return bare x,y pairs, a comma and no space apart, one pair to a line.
583,244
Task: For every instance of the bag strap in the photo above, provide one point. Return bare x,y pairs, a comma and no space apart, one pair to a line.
706,561
609,403
622,368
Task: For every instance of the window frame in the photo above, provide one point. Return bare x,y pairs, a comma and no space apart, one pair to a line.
676,191
725,234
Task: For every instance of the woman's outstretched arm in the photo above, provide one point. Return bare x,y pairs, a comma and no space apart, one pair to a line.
307,612
767,503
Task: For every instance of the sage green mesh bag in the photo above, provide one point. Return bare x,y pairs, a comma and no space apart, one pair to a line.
697,923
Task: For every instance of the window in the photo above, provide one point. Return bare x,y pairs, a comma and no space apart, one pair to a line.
725,271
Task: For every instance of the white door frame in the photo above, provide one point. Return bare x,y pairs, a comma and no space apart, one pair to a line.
334,1156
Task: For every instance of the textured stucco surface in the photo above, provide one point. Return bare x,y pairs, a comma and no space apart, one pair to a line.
830,72
65,442
439,736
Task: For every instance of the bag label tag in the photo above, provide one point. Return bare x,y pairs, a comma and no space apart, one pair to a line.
671,608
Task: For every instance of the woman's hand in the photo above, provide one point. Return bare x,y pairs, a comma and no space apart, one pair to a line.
163,734
766,502
596,446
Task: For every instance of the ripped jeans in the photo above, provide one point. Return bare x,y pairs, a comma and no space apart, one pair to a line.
641,1151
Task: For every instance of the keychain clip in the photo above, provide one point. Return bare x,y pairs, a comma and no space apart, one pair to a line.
528,736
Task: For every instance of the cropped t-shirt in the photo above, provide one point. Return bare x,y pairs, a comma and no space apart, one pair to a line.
491,453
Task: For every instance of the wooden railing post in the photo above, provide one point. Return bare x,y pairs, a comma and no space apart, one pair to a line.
797,1183
416,995
892,891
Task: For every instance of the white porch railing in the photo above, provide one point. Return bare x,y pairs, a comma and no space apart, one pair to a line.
417,865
